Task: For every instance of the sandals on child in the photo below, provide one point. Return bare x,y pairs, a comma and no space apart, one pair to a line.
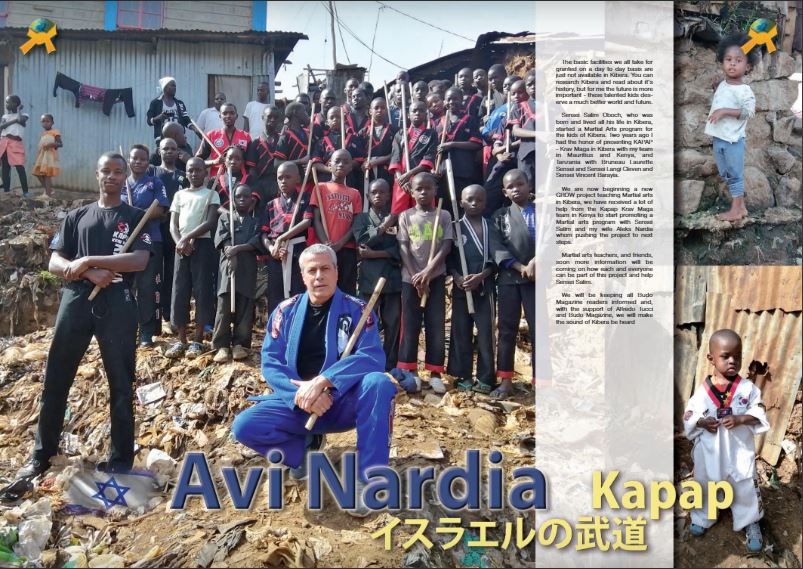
482,388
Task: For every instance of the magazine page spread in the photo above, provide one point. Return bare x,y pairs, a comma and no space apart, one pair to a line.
401,284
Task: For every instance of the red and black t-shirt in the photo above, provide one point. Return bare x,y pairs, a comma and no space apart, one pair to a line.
221,141
461,128
472,104
261,154
278,217
355,121
319,128
292,144
523,116
381,144
237,178
422,144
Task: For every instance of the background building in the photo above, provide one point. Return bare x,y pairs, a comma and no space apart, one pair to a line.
206,46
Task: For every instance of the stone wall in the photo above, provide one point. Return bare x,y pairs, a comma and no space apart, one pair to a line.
773,157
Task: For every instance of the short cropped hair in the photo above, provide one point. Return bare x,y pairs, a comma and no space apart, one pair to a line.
142,147
113,156
293,108
317,249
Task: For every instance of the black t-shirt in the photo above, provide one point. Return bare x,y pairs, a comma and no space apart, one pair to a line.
312,348
173,180
97,231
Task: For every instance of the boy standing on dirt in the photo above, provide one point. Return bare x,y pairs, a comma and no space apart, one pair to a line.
86,254
722,419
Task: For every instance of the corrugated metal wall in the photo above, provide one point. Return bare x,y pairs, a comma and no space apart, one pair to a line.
86,131
764,306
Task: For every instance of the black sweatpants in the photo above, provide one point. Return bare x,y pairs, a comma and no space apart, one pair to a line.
168,260
148,285
191,279
347,270
112,319
276,278
434,317
243,322
388,308
6,175
511,300
461,343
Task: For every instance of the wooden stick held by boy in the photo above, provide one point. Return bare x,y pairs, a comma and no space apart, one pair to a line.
206,138
432,244
488,114
231,225
306,173
342,130
404,133
287,266
507,130
380,284
446,120
131,239
127,189
366,181
320,205
458,232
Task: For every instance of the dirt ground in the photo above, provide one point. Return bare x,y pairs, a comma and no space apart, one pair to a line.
201,401
782,525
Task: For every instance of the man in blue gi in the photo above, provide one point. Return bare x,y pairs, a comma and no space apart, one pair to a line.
301,362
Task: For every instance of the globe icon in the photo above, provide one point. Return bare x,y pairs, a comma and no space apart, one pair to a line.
42,25
762,25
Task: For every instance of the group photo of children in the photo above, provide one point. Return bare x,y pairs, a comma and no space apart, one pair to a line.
381,178
426,183
190,235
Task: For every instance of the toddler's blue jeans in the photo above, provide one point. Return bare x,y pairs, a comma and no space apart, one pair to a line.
730,163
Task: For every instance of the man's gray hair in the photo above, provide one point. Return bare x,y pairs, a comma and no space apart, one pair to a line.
317,249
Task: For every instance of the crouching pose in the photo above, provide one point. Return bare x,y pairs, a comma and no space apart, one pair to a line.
301,362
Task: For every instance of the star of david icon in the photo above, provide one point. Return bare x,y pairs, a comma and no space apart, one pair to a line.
119,500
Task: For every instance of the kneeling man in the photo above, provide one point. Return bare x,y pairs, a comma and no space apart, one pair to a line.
301,362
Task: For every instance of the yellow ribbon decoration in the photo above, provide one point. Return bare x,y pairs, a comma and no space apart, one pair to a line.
40,38
760,38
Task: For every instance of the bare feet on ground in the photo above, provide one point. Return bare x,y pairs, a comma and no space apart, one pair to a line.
736,212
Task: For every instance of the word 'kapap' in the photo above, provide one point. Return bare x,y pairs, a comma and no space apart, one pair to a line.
662,495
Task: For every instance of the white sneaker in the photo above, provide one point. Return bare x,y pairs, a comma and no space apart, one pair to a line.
437,385
222,356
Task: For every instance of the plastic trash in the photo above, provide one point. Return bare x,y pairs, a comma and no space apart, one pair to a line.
33,537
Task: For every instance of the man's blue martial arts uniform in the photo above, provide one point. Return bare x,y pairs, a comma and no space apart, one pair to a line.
363,394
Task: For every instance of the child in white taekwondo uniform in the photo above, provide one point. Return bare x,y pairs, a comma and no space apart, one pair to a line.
722,418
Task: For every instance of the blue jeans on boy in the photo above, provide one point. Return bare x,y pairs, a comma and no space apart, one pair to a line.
730,163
